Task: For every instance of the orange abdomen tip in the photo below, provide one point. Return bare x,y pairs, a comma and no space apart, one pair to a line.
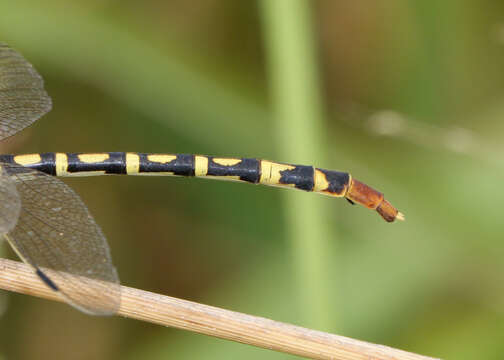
388,212
365,195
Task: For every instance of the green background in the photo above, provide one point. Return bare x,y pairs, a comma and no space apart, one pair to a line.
408,96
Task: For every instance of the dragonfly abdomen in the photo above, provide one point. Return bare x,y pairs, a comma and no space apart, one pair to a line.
251,170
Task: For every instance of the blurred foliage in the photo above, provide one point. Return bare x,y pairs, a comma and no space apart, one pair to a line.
200,77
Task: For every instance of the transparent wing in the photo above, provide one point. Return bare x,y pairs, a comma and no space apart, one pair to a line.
10,204
57,236
22,96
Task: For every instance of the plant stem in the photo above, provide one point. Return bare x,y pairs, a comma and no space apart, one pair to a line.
225,324
298,128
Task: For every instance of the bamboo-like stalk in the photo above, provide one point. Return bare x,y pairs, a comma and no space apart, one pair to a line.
209,320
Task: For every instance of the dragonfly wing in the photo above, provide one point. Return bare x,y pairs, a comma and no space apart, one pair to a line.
22,96
57,236
10,203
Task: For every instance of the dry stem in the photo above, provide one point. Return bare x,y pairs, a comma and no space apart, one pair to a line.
225,324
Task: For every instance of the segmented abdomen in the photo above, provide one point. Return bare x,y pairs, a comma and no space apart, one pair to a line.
256,171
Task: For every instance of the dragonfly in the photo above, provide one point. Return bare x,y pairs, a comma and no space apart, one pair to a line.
50,228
